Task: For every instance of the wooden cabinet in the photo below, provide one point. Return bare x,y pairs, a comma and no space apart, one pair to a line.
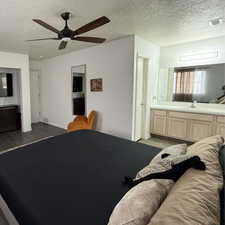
199,130
9,118
220,125
220,119
159,125
220,129
159,122
177,128
186,126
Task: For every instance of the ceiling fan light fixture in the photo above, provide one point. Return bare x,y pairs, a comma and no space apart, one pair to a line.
68,34
66,39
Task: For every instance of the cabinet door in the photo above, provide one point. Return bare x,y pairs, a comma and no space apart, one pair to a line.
177,128
8,118
200,130
159,125
220,129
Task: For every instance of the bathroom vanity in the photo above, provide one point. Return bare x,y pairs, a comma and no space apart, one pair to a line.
190,101
186,123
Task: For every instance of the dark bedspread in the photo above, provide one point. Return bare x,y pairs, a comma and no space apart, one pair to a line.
69,179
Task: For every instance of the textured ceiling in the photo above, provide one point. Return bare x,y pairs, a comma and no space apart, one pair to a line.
164,22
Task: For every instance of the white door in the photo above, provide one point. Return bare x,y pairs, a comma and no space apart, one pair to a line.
140,99
35,96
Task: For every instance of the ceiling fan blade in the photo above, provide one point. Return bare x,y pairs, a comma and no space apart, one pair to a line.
42,39
47,26
90,39
62,45
91,26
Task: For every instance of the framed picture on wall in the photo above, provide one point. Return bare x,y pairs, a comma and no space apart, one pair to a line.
96,84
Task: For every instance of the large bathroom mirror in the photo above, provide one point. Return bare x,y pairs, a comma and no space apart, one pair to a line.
204,84
79,89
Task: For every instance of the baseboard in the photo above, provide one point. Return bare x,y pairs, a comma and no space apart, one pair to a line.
53,124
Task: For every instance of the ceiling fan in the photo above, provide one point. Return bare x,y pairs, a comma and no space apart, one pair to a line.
67,34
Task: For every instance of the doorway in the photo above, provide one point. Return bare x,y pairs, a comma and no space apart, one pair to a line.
35,95
79,90
140,97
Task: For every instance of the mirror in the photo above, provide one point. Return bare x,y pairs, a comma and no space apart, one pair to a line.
78,89
204,84
6,85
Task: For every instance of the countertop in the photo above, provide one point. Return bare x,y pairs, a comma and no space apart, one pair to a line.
5,106
197,109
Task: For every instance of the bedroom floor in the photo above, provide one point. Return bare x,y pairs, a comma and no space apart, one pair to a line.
161,142
17,138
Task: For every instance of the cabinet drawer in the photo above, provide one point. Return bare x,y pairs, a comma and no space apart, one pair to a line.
191,116
221,119
159,112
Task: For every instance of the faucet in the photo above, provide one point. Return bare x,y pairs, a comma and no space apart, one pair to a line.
193,105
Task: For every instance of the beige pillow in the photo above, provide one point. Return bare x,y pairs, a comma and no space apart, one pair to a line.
174,151
140,203
194,199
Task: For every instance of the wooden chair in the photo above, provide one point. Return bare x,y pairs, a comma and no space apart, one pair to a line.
82,122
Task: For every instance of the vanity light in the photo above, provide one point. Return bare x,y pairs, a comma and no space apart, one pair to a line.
200,56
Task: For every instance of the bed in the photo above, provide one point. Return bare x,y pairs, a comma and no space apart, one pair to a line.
74,178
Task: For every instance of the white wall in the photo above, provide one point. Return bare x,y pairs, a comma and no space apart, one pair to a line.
35,65
15,99
111,61
170,56
21,62
79,69
151,51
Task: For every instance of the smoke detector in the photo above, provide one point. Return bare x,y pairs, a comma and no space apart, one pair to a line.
216,22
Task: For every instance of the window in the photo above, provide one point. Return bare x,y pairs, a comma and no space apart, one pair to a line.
199,82
188,83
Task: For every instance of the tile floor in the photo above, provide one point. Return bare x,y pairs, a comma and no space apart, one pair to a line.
17,138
